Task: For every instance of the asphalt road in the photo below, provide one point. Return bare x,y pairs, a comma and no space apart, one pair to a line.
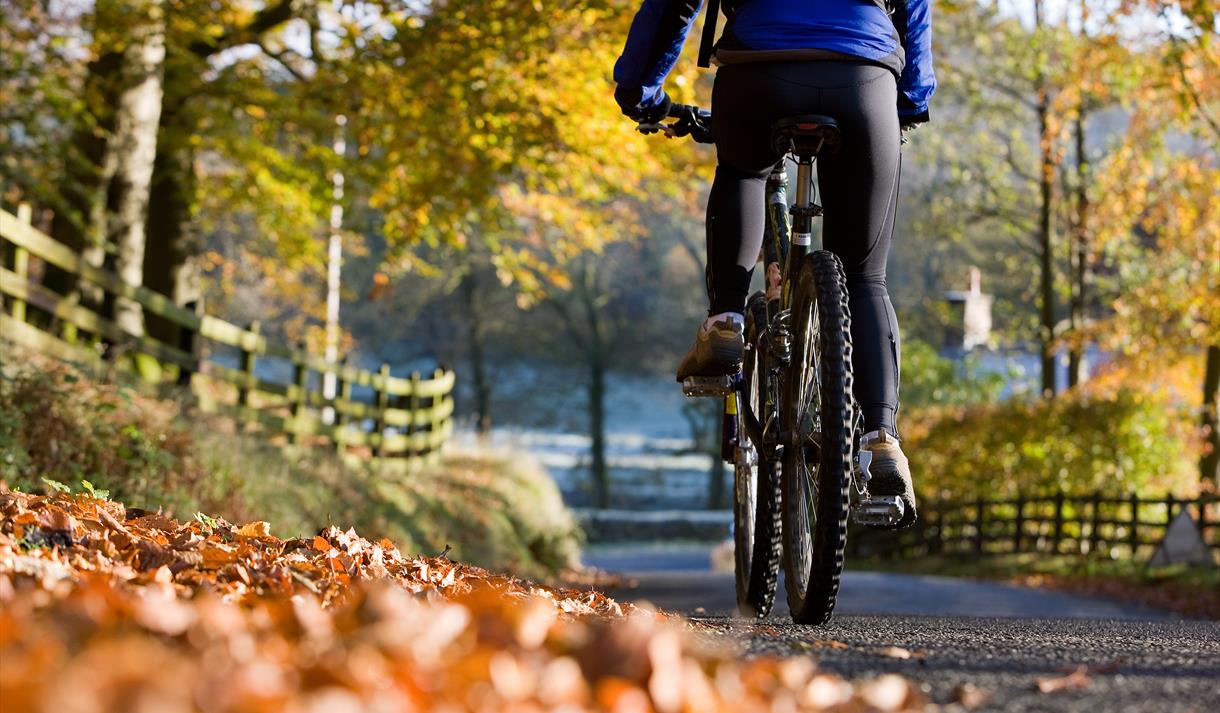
945,633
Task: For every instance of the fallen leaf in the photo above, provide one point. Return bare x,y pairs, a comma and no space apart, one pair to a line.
255,529
217,555
897,652
886,693
969,695
1077,679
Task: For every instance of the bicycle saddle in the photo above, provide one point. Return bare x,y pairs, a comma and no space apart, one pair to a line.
805,135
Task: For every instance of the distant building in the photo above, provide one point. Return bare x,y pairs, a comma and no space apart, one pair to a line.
971,309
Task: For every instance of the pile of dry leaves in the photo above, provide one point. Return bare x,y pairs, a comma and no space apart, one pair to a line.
113,609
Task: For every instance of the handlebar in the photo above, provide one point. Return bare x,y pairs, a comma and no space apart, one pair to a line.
691,121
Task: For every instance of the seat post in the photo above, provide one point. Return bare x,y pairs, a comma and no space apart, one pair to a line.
802,217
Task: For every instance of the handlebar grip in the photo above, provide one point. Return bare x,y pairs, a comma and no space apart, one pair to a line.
677,110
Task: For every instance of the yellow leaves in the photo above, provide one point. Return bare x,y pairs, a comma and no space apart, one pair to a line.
255,529
513,125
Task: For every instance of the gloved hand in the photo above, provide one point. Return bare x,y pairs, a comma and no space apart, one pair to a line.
910,121
693,122
650,115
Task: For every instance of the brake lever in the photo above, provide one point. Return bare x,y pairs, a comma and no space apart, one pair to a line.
648,129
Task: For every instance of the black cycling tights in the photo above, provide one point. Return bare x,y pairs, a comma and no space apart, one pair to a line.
858,187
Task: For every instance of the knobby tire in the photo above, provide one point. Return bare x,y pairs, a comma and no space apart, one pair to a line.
821,339
757,558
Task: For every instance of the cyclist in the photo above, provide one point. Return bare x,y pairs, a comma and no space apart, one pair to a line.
848,59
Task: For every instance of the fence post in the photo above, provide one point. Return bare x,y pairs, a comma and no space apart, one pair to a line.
1019,524
21,261
978,526
1057,537
249,357
433,423
413,404
383,402
1094,537
188,342
300,379
1133,537
342,417
68,331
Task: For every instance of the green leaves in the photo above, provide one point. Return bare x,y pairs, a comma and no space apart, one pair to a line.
98,493
57,486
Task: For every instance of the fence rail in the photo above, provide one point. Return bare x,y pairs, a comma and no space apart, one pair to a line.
403,421
1128,526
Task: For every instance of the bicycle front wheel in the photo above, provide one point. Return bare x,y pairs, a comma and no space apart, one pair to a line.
756,489
817,418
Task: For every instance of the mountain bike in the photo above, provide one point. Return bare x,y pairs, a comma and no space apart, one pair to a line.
791,427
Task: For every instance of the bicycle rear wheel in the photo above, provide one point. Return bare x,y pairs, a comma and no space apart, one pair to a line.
756,491
817,424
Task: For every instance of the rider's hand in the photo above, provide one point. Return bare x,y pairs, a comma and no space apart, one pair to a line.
906,122
650,115
693,122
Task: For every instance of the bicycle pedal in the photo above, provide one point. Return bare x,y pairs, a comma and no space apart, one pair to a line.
878,511
696,386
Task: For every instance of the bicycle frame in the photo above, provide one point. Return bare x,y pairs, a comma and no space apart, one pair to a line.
787,239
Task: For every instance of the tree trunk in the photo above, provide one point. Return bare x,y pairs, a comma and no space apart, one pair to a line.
478,362
171,258
133,150
1046,210
1080,256
597,427
1209,462
597,387
79,219
715,490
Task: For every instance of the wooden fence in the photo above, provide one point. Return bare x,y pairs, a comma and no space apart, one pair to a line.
1127,527
398,421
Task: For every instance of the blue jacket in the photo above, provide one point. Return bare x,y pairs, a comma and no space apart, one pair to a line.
856,28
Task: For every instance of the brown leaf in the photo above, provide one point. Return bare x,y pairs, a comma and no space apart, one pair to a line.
1077,679
217,555
969,695
255,529
154,521
109,521
897,652
887,693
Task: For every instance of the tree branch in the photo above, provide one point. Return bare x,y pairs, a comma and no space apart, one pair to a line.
264,20
279,57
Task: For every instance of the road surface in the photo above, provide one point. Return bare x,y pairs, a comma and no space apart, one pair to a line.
945,632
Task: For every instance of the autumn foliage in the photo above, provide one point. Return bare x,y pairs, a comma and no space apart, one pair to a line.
107,608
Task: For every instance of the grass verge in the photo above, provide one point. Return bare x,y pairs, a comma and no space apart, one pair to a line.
59,424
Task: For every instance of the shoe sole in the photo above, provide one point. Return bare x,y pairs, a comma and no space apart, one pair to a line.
724,362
